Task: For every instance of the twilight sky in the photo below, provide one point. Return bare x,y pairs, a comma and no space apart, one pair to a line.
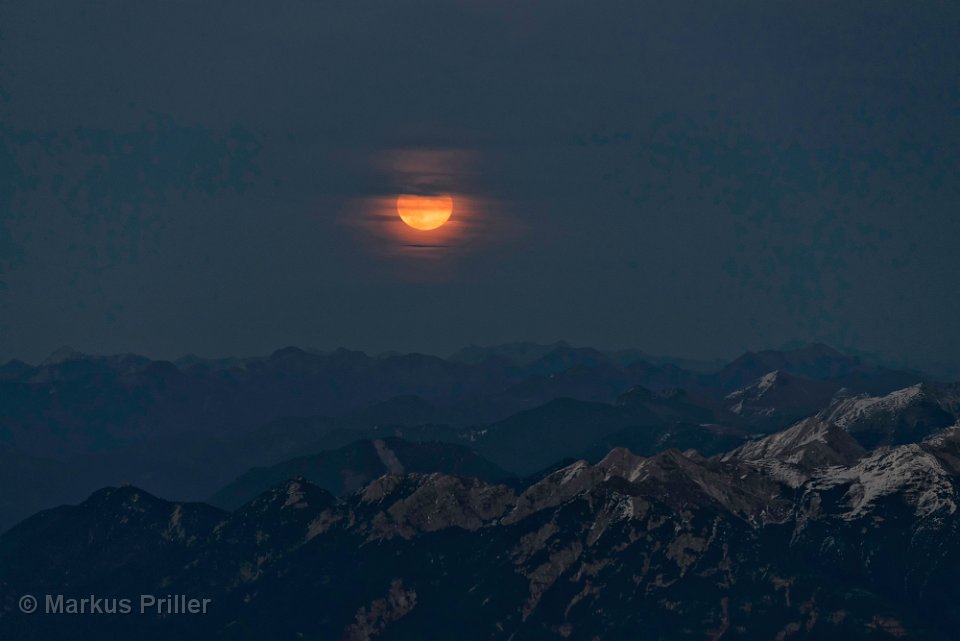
685,178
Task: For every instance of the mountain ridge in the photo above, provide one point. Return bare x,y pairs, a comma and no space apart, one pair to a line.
548,560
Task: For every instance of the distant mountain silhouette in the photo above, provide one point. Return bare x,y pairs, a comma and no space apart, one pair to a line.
531,440
353,466
186,428
646,441
778,398
817,361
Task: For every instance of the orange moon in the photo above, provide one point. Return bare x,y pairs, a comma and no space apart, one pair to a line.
424,212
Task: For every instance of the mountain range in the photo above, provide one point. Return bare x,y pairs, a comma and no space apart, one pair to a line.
185,428
524,492
803,534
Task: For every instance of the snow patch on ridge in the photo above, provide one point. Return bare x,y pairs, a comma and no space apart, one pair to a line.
857,408
908,470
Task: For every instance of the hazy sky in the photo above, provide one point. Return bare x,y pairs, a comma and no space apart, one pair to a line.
686,178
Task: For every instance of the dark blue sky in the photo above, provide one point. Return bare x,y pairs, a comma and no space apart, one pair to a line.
690,179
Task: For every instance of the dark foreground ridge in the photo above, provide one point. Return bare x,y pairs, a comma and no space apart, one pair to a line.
805,534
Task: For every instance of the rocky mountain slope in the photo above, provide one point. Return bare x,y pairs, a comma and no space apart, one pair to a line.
801,535
777,399
902,416
788,495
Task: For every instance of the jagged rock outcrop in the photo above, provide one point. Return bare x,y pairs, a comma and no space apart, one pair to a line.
904,416
850,545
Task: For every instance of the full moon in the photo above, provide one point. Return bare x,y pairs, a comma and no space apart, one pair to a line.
424,212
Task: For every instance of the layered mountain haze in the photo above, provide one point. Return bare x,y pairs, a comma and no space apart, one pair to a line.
817,362
375,497
185,429
146,397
